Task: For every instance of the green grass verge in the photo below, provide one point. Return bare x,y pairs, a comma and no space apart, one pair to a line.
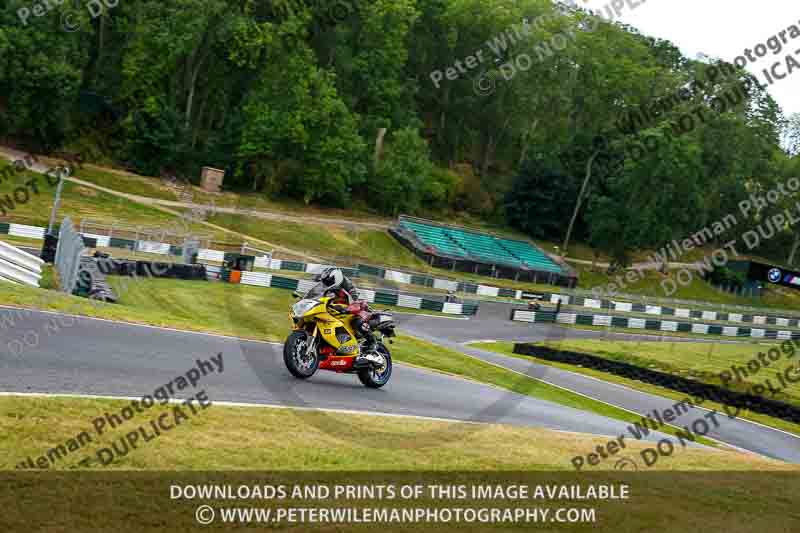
294,440
681,359
427,355
265,446
125,182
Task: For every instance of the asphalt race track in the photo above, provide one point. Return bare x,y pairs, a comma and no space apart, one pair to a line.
97,357
104,358
492,323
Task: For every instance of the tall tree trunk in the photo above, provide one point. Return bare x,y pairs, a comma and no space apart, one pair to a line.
190,98
256,172
487,156
376,158
193,65
578,202
793,252
201,112
523,155
101,38
491,147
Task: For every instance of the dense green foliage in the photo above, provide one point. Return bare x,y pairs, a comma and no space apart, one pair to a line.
291,97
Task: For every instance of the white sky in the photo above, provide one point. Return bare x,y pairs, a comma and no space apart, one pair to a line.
722,28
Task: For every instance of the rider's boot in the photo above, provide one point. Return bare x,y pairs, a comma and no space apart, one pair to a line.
367,348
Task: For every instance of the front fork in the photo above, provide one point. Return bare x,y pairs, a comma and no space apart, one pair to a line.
312,342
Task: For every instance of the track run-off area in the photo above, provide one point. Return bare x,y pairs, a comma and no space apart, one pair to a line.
127,360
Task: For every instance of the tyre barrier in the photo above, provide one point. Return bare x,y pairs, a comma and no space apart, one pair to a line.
751,402
92,283
152,269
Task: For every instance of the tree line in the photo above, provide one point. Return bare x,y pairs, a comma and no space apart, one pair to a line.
334,102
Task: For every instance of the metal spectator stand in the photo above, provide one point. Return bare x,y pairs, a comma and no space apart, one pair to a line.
480,252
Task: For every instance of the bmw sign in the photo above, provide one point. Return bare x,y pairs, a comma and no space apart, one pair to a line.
774,275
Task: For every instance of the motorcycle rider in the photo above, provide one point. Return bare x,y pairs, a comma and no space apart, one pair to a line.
333,282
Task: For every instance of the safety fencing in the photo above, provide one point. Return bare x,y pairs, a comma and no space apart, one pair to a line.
743,400
296,266
159,240
402,277
624,302
94,240
17,266
637,303
675,302
71,246
263,279
674,326
629,307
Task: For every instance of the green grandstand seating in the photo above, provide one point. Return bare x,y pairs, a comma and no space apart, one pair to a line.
459,242
530,255
435,236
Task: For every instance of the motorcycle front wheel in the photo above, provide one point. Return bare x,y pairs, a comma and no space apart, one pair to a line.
297,358
376,377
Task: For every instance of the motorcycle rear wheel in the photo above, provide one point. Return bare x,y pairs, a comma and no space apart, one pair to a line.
377,378
300,364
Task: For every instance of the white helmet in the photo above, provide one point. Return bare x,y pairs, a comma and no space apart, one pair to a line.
331,278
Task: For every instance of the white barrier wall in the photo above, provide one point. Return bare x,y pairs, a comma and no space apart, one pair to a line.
17,266
28,232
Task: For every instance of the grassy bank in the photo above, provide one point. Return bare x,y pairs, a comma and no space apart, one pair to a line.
358,245
326,241
286,439
335,243
77,202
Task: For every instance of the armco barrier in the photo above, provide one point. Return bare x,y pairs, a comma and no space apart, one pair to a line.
17,266
519,315
695,389
656,310
263,279
68,256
